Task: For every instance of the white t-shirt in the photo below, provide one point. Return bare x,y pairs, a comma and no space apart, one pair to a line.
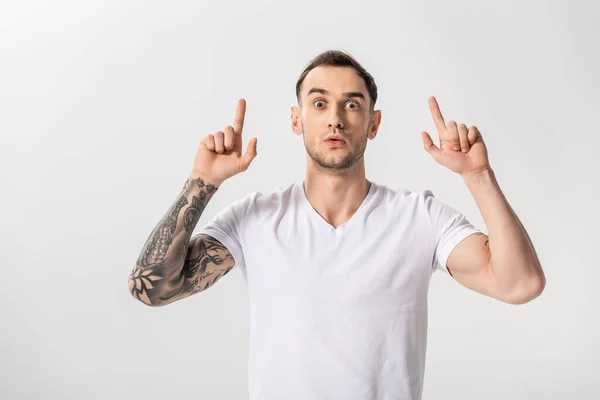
338,313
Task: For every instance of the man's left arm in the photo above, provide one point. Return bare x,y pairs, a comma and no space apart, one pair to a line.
504,264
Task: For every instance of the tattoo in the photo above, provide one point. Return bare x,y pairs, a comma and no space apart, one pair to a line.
141,280
208,279
487,240
161,238
210,253
192,214
210,189
156,273
197,265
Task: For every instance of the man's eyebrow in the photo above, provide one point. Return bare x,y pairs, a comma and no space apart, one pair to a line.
355,94
318,90
347,95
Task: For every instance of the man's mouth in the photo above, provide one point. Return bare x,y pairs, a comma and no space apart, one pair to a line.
336,138
335,142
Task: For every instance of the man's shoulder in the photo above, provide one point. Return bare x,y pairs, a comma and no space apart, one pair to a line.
401,195
258,200
406,203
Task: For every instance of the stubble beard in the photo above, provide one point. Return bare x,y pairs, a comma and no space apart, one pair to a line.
335,164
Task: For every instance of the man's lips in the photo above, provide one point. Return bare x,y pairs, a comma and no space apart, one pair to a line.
335,138
335,143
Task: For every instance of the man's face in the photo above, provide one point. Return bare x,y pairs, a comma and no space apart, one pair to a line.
335,101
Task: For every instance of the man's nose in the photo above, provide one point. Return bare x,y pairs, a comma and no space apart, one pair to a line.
335,120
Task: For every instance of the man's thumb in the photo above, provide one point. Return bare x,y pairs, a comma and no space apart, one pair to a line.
429,146
249,155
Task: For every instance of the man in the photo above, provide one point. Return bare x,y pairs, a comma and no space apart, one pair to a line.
338,267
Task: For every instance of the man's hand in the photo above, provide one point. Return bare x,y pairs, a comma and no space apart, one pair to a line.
461,150
219,156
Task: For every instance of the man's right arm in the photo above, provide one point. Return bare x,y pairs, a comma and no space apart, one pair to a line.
172,265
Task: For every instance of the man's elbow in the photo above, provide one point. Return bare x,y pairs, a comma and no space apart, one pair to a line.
527,291
139,292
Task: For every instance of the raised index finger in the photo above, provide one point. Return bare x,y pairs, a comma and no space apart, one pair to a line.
438,119
240,113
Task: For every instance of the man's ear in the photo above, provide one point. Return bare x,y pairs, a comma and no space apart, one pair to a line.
374,124
296,114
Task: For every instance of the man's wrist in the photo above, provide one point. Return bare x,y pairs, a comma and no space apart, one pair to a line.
481,173
194,176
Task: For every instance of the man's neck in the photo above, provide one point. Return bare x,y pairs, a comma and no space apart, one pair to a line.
336,197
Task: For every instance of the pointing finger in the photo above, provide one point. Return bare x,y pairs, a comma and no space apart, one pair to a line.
240,113
438,119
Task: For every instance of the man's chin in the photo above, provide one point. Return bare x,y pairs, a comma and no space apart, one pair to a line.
335,164
338,159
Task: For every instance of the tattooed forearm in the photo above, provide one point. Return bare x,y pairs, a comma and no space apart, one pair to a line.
161,238
192,214
159,266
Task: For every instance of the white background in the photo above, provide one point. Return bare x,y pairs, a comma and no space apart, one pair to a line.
103,104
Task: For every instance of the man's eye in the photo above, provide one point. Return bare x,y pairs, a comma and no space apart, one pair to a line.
352,105
319,104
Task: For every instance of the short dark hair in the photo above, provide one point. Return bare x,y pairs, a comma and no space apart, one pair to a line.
338,58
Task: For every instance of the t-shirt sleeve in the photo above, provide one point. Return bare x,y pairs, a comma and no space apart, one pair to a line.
226,226
450,227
